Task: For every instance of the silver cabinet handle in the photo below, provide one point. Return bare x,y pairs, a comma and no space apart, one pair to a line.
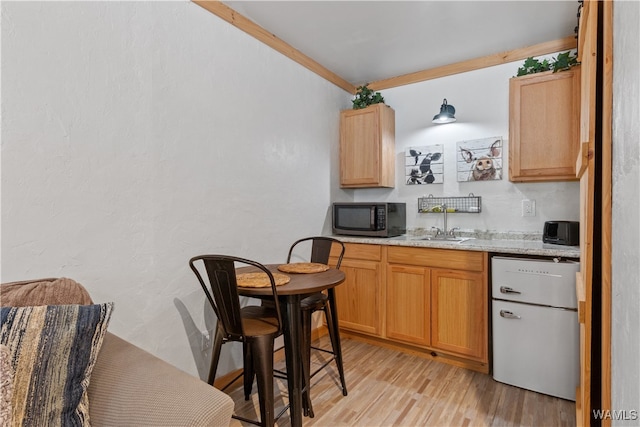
508,290
508,315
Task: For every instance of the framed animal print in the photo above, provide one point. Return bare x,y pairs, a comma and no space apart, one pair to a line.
479,159
424,165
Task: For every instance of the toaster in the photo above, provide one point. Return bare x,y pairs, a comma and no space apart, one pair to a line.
561,233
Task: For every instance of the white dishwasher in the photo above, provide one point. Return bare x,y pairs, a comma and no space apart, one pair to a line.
535,325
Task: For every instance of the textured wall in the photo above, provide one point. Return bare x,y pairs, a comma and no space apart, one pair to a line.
481,99
136,135
626,218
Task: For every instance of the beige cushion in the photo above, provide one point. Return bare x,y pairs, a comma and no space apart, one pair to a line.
43,292
130,386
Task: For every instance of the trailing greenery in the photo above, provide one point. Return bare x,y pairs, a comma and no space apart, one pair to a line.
365,97
564,61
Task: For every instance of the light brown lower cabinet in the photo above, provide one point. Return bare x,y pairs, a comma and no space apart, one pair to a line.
430,302
459,312
408,304
359,298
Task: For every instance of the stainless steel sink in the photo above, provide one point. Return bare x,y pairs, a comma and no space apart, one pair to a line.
445,238
473,242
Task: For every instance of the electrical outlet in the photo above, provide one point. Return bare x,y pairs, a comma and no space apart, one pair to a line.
528,208
206,339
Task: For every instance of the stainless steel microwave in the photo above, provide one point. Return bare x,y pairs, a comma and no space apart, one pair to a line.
370,219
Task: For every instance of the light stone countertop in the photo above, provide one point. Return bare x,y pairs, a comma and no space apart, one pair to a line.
505,243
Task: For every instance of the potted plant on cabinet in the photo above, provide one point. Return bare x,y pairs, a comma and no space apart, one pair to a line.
365,97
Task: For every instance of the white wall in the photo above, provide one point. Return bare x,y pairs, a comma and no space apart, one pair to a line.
136,135
481,99
625,333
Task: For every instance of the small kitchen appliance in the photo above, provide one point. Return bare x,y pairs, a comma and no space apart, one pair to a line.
535,324
370,219
561,233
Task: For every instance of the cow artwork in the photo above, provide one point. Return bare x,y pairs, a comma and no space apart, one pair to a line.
480,160
424,165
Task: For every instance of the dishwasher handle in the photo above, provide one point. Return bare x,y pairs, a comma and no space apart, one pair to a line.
508,314
508,290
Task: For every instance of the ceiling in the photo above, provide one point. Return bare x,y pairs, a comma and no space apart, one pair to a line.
366,41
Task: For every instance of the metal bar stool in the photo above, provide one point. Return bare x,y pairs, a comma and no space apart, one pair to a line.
320,251
255,326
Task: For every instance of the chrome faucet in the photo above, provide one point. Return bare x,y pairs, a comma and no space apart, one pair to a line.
446,231
444,211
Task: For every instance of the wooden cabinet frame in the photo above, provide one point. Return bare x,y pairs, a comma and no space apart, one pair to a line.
595,52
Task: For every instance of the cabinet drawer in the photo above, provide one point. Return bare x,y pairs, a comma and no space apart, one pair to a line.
440,258
359,251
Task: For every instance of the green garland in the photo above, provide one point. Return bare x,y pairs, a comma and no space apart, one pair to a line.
564,61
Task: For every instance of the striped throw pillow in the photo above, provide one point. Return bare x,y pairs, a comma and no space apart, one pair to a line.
53,350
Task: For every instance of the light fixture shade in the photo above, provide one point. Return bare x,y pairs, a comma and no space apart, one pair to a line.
446,114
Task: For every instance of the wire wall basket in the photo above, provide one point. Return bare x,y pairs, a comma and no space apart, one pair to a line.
468,204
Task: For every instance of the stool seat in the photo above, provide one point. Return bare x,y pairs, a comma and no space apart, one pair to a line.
314,302
257,321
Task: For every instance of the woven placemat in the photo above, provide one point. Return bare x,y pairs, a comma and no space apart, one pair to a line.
303,267
260,280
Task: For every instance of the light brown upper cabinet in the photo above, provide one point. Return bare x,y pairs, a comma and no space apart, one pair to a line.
367,147
544,126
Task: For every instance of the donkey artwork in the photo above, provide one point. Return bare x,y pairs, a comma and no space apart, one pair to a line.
485,165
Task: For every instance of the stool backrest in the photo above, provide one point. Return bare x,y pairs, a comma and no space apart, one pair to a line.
320,249
222,292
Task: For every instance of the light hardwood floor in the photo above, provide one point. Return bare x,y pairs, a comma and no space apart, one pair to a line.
390,388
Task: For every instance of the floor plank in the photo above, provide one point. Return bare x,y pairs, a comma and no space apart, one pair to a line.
390,388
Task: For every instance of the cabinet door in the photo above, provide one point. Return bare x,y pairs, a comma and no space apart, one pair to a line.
358,298
408,304
459,312
544,113
367,147
360,148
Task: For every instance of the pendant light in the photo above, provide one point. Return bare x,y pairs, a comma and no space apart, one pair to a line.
446,114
